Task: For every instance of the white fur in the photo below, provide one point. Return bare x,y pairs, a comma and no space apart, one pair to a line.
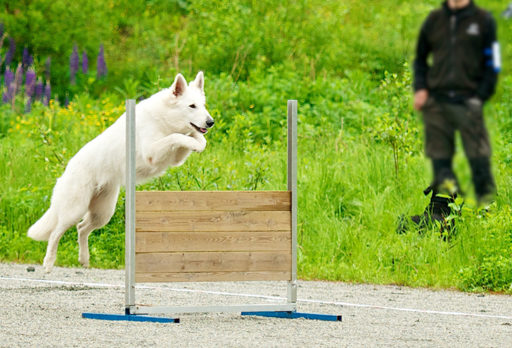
89,187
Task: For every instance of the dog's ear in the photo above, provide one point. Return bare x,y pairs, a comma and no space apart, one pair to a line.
199,81
179,85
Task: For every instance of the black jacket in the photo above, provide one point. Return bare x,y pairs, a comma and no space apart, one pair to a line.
461,43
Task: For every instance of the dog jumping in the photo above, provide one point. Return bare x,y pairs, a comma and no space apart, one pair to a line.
171,124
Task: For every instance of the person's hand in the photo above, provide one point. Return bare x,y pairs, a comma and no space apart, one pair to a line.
420,98
475,102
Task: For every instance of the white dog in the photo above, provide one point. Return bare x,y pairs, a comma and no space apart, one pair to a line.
170,125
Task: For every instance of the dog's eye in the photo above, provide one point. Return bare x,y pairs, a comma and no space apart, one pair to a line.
193,106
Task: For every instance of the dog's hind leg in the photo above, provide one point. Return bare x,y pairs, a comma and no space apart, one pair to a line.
66,219
101,209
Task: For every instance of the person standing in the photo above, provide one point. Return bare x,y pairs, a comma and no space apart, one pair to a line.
450,92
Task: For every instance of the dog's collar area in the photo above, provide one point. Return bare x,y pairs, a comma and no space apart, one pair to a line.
199,129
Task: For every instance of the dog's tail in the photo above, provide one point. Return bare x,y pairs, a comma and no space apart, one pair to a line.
42,229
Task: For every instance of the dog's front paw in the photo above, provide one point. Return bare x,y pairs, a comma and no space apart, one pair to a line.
200,149
201,144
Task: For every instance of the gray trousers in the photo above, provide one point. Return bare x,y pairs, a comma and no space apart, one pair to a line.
442,120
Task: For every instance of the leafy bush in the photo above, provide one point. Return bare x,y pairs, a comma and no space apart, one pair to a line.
397,126
492,274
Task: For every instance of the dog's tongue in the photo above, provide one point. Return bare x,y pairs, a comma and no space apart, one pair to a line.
203,130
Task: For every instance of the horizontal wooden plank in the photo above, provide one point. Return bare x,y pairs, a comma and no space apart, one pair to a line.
210,221
277,261
210,277
212,200
212,241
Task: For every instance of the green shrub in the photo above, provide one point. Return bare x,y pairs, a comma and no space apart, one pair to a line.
492,274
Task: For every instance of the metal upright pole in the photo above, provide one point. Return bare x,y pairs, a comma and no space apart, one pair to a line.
292,187
130,207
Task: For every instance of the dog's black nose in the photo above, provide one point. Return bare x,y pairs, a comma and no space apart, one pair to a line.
210,123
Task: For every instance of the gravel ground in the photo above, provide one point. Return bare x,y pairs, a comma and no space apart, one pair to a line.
41,310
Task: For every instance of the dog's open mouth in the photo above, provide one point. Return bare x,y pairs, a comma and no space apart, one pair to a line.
199,129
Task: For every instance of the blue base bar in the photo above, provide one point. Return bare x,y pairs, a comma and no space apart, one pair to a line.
296,315
129,317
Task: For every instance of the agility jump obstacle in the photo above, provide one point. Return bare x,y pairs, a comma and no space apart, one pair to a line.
211,236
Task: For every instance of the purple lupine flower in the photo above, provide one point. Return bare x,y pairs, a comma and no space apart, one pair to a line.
47,93
8,76
10,52
101,66
85,62
8,95
18,79
27,59
74,62
47,66
30,83
39,89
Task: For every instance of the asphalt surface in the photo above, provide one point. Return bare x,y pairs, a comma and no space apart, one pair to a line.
44,310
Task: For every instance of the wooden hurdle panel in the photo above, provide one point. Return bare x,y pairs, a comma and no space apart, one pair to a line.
213,236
